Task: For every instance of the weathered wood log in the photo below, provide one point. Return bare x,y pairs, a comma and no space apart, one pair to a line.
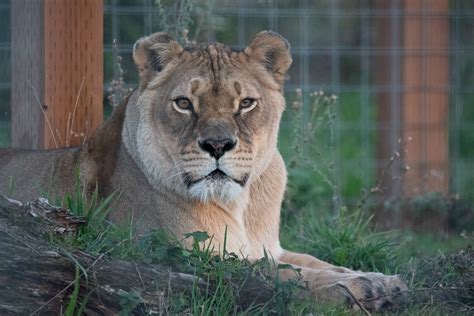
37,277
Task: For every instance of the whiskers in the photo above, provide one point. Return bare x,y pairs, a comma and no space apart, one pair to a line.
177,166
180,166
180,173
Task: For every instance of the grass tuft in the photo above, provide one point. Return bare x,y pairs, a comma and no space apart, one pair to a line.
346,240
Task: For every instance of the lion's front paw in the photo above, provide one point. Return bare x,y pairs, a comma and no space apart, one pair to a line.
365,291
374,291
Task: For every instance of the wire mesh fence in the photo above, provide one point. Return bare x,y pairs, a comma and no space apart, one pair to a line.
4,73
357,50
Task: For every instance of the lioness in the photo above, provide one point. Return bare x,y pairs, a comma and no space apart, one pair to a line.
194,148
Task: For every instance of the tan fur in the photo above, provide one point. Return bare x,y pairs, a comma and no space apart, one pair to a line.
152,151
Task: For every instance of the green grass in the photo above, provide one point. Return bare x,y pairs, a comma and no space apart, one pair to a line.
430,244
227,274
347,240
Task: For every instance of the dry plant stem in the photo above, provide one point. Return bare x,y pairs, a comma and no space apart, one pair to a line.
336,191
68,141
44,113
68,124
141,279
328,113
59,136
84,140
139,274
378,186
325,179
362,308
117,90
70,121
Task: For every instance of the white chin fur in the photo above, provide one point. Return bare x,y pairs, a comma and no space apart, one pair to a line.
216,190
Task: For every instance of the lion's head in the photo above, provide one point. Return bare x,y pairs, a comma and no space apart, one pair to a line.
205,120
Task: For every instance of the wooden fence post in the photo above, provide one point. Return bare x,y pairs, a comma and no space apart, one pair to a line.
57,72
425,92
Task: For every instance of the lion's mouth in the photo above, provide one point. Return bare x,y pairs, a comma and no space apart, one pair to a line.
216,175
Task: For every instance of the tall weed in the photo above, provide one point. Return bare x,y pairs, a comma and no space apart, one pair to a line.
336,233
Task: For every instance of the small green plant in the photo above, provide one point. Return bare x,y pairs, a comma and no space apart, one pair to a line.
129,301
117,89
93,210
98,235
313,151
228,275
90,206
178,24
74,306
73,299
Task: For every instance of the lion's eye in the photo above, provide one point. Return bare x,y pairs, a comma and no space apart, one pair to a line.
182,104
247,104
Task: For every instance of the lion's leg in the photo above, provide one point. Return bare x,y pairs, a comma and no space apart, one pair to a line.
325,281
307,261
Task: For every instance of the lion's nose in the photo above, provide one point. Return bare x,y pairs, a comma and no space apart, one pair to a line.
217,147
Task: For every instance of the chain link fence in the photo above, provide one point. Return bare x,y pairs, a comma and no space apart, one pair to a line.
4,73
353,49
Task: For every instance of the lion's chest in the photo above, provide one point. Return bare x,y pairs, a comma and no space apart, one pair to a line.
227,231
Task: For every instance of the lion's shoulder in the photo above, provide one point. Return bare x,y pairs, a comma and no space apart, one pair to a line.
98,157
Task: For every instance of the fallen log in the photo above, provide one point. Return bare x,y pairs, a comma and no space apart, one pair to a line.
37,277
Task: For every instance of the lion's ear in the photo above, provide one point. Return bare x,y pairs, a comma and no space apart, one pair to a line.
273,51
152,53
